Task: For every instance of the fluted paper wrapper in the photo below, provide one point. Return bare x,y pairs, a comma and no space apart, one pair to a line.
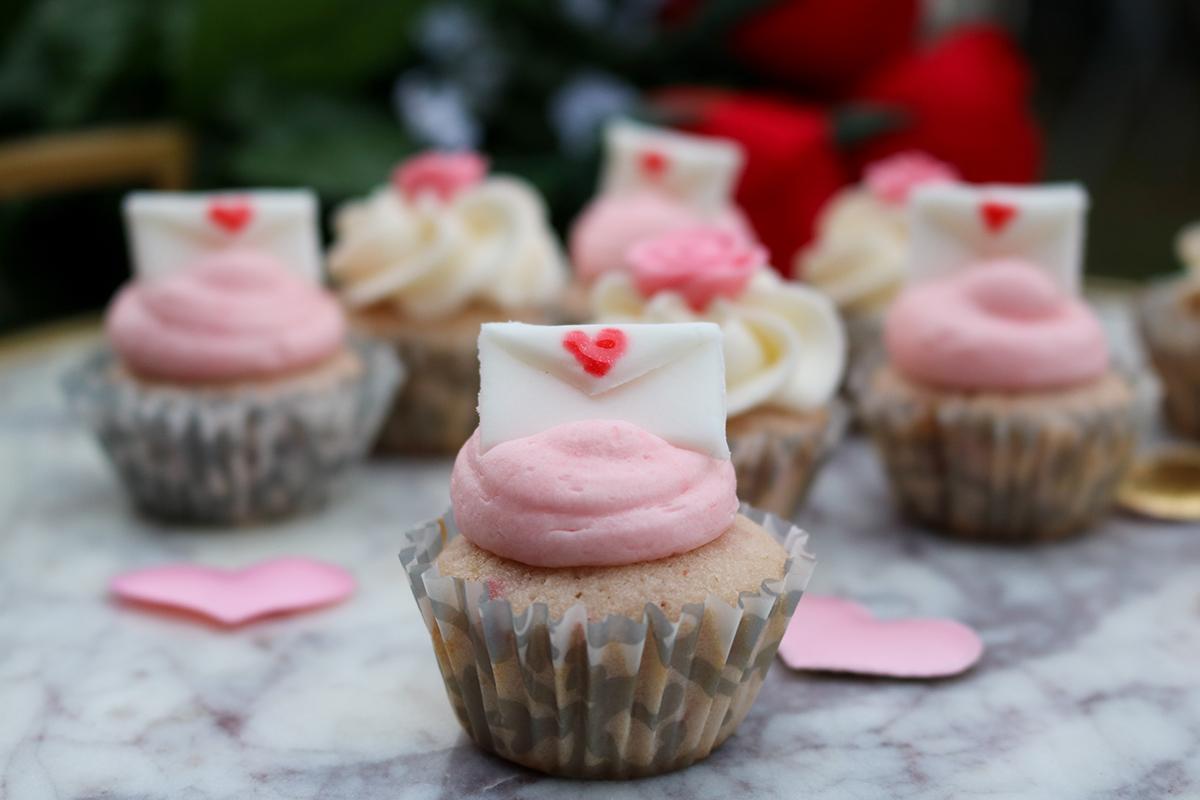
775,470
435,411
618,697
238,455
1008,470
1171,330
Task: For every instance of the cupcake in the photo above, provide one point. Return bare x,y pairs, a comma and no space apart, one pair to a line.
1170,325
783,342
860,250
228,391
424,261
655,180
599,604
997,413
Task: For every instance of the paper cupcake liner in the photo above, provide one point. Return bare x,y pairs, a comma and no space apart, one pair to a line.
980,467
435,411
1171,332
775,471
237,455
619,697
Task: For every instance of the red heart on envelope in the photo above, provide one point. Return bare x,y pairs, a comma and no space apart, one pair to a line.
230,214
653,163
996,215
233,597
829,634
596,355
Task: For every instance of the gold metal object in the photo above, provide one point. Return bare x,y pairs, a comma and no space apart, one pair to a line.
1164,485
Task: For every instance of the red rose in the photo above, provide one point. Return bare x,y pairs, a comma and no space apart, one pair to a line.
791,169
826,45
967,98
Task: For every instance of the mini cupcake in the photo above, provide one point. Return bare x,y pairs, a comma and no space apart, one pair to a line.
655,180
423,262
998,415
229,392
784,350
860,251
608,611
1170,325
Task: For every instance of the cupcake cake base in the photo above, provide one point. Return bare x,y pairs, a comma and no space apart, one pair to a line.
1019,468
639,674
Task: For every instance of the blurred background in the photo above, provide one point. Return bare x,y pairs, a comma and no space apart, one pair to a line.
97,98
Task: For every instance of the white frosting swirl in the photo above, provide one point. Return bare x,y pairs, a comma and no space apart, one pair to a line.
784,343
859,253
488,243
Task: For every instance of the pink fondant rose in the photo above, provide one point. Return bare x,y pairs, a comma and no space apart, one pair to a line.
700,263
441,174
891,179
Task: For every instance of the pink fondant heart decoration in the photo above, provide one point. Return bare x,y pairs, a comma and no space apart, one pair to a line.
829,634
996,215
653,163
597,355
230,214
234,597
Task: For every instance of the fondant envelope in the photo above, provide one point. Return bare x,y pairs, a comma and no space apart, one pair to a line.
698,170
954,225
168,230
668,379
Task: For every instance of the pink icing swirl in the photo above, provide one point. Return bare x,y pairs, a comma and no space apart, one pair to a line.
600,239
590,493
443,175
891,179
701,264
998,326
232,315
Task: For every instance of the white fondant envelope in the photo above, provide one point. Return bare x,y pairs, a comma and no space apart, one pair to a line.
668,379
699,170
953,225
169,230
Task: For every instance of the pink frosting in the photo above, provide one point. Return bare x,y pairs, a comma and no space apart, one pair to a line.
701,264
891,179
997,326
590,493
442,174
232,315
611,224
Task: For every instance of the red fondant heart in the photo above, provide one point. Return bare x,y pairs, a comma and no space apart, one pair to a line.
653,163
996,215
231,215
597,355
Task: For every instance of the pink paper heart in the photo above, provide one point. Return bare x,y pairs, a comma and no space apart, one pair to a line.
234,597
834,635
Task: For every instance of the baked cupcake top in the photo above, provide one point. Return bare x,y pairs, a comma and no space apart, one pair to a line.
993,303
860,251
443,236
655,180
226,287
231,315
597,445
784,343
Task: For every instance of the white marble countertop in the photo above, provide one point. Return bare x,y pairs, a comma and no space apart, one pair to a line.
1090,686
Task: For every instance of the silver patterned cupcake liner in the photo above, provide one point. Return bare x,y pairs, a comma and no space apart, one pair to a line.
776,471
1170,329
987,468
618,697
237,455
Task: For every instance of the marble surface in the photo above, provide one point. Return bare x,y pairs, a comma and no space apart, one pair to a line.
1090,686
